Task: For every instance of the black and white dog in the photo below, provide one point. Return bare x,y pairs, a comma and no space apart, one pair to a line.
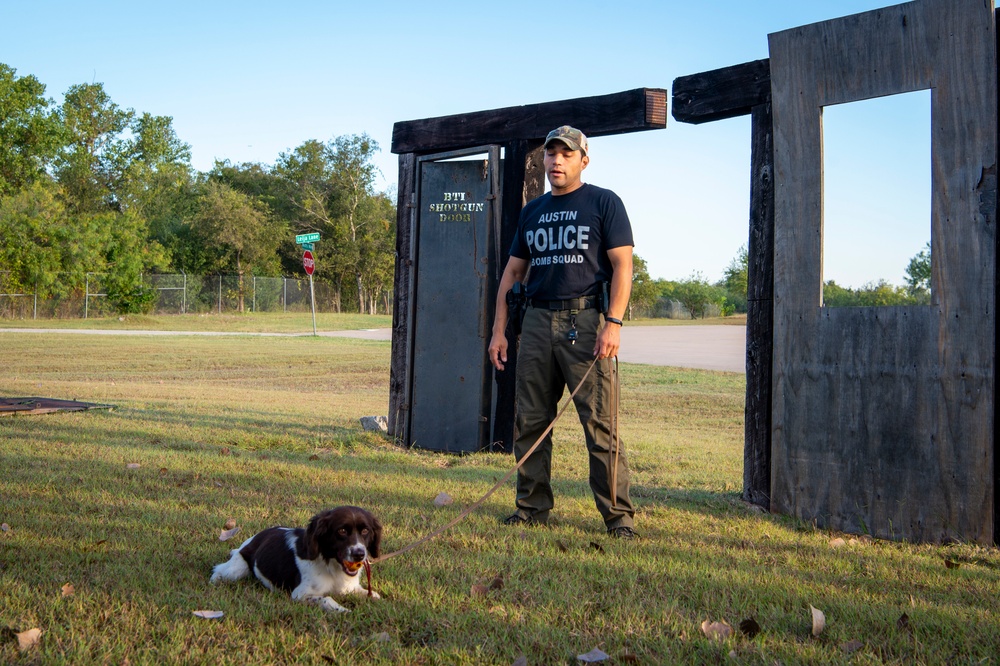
311,564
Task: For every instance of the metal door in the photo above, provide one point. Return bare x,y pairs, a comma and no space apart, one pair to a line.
454,257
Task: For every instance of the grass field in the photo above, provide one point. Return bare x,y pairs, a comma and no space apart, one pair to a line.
126,506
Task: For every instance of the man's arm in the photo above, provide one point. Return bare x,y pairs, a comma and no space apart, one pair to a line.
609,338
514,272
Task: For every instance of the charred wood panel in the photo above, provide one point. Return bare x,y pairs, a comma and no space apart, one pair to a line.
617,113
883,418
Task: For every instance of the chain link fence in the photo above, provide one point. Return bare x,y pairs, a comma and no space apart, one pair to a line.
175,294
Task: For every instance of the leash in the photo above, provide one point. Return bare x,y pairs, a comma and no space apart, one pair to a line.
475,505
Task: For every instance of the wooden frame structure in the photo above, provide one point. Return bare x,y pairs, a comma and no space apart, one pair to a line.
881,420
520,132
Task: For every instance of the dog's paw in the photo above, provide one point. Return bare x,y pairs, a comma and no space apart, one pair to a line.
328,604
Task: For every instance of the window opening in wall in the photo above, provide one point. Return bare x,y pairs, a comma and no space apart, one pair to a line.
877,201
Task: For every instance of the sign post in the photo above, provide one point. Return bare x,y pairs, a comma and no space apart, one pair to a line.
309,263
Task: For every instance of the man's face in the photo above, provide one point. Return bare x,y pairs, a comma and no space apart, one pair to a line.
563,167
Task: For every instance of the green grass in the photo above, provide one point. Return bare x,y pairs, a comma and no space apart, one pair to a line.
268,322
265,431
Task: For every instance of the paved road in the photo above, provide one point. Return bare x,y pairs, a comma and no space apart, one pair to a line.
704,347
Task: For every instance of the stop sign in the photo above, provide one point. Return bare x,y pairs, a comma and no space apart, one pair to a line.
308,263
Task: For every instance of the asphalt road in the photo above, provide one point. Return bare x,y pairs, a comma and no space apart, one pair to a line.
704,347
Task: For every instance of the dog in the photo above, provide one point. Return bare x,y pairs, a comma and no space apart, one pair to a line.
310,564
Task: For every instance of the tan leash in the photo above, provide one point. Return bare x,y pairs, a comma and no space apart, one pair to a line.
475,505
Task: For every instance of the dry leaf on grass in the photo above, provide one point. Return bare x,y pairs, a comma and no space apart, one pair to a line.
837,543
719,631
28,639
850,647
226,535
68,589
480,590
596,546
443,499
497,583
561,546
951,564
230,524
819,621
208,614
593,656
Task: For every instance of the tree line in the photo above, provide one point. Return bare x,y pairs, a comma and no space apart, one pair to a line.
87,186
698,297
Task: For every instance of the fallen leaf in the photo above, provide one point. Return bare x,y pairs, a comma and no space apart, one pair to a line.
68,589
717,630
819,621
749,627
230,524
226,535
593,656
562,547
328,659
837,543
224,451
163,471
480,590
497,583
314,457
28,639
596,546
903,623
208,614
630,658
951,564
443,499
133,466
850,647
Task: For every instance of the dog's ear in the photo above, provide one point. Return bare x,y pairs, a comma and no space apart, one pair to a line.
314,529
375,540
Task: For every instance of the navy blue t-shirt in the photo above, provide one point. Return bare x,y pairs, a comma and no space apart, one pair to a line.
565,239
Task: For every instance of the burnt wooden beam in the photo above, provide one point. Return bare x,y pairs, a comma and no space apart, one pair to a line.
399,364
617,113
523,180
717,95
760,311
721,93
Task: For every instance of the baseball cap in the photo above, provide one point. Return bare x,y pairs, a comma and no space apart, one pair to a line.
571,136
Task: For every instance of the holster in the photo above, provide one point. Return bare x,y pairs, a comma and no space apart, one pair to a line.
517,304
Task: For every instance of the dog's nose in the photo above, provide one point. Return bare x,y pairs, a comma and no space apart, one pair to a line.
357,553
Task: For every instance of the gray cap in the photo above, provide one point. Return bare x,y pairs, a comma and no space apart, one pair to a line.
572,137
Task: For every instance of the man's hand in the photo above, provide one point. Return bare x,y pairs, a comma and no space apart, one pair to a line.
608,340
498,350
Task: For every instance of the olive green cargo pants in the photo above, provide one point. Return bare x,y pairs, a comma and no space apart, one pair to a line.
547,362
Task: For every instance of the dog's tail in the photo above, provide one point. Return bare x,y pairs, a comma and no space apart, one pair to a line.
233,569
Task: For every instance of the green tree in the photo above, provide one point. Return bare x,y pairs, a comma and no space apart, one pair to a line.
695,294
87,168
31,133
239,231
918,275
644,289
734,281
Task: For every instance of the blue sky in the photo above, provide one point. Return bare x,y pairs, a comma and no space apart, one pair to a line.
246,81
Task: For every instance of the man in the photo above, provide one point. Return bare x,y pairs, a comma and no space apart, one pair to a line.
569,243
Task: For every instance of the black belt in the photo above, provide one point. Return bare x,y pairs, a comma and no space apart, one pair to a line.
584,303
